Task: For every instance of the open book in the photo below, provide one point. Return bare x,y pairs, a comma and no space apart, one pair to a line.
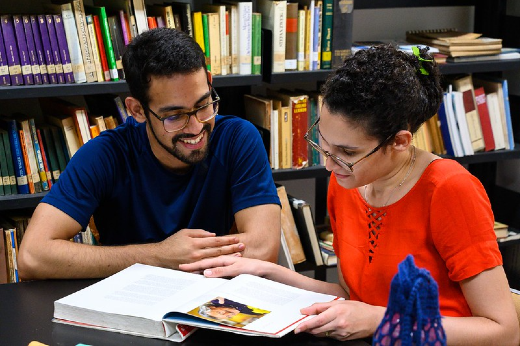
168,304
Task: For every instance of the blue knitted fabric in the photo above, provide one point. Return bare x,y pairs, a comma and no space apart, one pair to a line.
412,316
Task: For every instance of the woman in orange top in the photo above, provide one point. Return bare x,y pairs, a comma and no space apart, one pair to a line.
388,199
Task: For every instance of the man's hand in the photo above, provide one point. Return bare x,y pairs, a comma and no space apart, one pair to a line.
190,245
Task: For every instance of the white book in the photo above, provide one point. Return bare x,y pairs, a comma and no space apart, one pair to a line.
244,25
309,34
274,18
275,151
460,116
167,304
140,16
225,60
233,37
495,119
71,32
84,40
452,125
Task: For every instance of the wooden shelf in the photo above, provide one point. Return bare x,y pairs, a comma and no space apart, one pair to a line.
50,90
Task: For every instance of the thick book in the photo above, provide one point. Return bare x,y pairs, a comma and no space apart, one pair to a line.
254,306
25,61
316,36
183,10
100,75
485,121
256,44
274,13
30,155
117,43
289,228
326,34
9,124
84,41
63,48
223,40
258,110
205,33
304,220
244,21
48,51
13,57
100,12
39,156
101,46
4,65
50,150
342,26
73,43
46,161
9,158
214,43
31,50
232,11
38,46
300,45
462,124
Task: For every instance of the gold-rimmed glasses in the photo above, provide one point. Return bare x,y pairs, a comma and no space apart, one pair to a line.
338,160
178,121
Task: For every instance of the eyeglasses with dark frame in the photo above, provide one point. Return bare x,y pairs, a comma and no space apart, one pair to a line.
336,159
203,114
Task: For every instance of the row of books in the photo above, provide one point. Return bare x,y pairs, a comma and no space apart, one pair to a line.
475,116
32,156
307,34
283,117
12,230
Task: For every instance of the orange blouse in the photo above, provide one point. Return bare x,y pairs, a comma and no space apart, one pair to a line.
445,221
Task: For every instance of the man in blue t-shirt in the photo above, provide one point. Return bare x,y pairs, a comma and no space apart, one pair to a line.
165,188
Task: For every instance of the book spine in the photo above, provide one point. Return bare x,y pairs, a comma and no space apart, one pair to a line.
95,49
105,32
30,155
84,41
13,58
25,61
256,50
101,45
30,176
326,34
291,37
38,46
316,36
205,29
117,44
61,150
124,27
71,39
4,65
14,249
342,31
123,115
31,50
300,113
233,38
47,49
4,173
245,13
198,32
9,158
48,175
16,151
50,150
300,46
4,272
318,29
214,43
38,156
58,64
223,47
507,108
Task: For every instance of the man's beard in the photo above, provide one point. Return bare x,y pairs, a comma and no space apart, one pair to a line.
195,156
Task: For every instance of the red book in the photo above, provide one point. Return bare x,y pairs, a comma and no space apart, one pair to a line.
26,161
485,122
152,23
101,46
44,159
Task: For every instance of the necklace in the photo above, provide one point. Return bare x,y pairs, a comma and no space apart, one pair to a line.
412,162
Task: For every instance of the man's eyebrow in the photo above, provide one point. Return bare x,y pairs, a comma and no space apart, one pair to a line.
174,108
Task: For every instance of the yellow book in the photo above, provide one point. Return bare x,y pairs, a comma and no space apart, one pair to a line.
198,32
301,40
308,35
214,43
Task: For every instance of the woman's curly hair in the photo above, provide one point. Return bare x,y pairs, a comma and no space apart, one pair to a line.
383,90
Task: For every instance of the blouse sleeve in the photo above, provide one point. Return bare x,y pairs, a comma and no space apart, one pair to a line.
462,226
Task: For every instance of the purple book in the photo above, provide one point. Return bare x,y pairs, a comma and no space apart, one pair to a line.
40,29
64,48
38,45
55,49
4,67
25,61
31,49
13,59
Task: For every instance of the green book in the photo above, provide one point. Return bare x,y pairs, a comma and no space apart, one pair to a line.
59,145
107,40
326,34
256,46
10,164
205,30
50,151
5,186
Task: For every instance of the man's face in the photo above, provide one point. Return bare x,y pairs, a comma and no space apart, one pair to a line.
222,312
173,95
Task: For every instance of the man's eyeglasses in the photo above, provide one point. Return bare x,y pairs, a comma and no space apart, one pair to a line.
178,121
336,159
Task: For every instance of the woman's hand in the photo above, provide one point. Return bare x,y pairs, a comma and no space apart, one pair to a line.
342,320
226,266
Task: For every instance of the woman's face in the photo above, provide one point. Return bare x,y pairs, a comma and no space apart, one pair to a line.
351,144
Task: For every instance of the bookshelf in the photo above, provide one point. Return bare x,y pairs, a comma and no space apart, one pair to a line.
481,164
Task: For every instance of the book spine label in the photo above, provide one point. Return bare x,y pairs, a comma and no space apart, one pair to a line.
13,58
4,66
55,49
25,61
31,49
38,46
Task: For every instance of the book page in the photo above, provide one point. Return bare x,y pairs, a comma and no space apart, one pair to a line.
259,305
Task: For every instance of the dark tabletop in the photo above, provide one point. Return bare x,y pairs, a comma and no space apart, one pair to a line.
26,311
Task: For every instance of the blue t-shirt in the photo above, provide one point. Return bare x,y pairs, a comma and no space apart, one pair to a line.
134,199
